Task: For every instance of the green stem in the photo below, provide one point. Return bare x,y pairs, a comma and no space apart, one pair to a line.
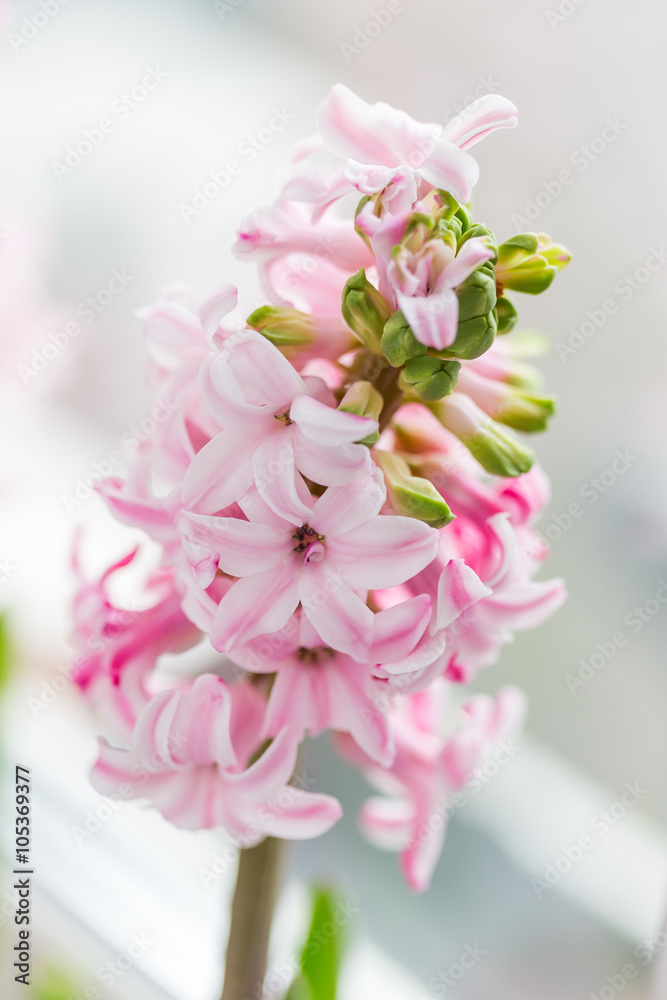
252,913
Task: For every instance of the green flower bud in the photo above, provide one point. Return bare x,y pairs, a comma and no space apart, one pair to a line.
411,495
473,337
497,451
477,294
364,310
529,262
506,315
363,399
398,342
286,328
431,377
526,411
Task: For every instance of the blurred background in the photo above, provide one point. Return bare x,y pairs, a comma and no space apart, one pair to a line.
89,242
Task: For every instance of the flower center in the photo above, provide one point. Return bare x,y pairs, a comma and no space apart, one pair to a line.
314,655
284,418
307,540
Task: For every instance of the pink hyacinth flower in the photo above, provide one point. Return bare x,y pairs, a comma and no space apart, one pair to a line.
189,756
321,553
317,687
428,770
273,426
377,135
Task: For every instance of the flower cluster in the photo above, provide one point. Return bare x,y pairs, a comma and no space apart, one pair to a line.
341,510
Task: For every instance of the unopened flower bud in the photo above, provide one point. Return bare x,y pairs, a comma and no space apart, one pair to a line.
364,310
529,262
283,327
398,342
508,404
506,315
497,451
473,337
412,496
430,377
363,399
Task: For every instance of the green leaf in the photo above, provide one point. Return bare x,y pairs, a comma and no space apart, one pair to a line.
322,952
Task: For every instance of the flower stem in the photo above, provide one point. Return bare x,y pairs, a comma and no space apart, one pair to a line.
252,913
387,384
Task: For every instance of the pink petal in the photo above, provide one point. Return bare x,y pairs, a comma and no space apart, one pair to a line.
526,605
340,509
386,822
473,253
398,629
432,318
151,732
291,701
327,426
419,860
340,617
299,815
369,133
218,300
264,374
353,708
270,772
447,167
479,119
243,548
459,588
151,515
255,605
276,478
199,732
222,471
332,465
383,552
